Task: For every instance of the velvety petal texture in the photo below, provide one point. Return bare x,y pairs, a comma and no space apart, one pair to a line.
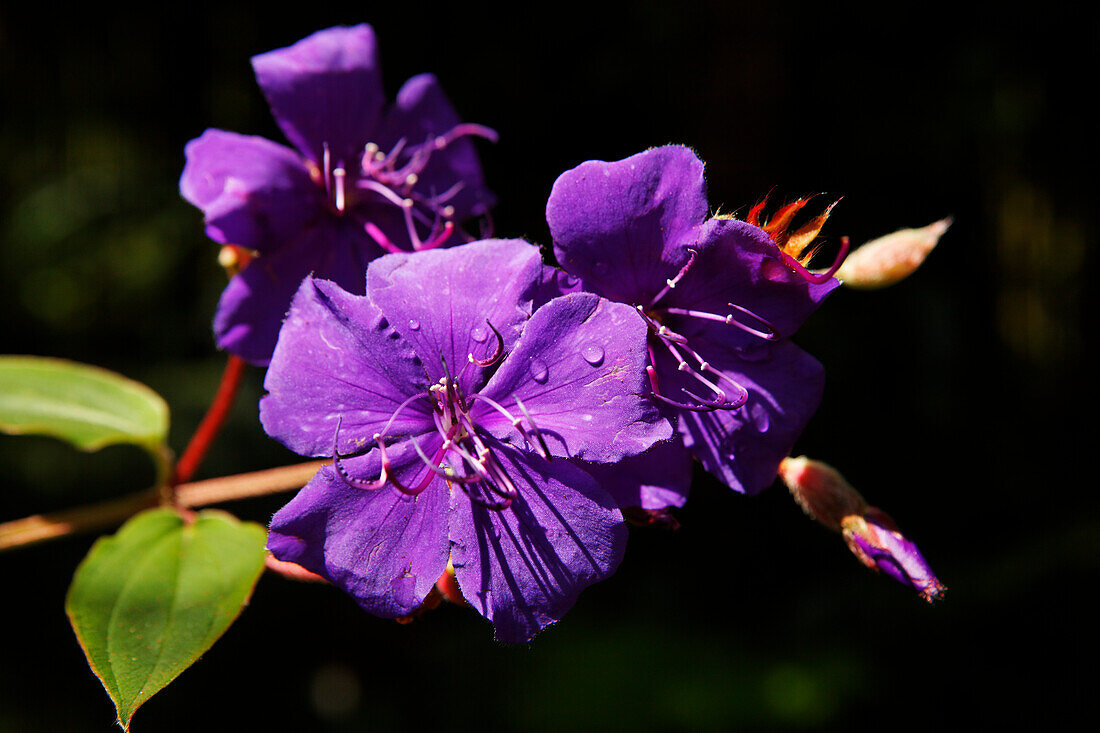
579,371
716,297
253,192
339,359
523,568
737,262
448,299
251,309
743,447
365,179
382,547
657,479
325,89
427,467
618,226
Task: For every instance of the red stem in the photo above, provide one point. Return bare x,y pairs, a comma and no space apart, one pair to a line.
211,422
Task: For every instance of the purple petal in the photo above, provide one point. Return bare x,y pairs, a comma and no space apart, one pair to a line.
338,360
657,479
739,263
253,192
579,369
522,568
878,542
252,306
443,300
326,88
743,447
420,114
384,548
618,225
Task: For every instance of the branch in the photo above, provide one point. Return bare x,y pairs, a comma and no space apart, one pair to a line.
41,527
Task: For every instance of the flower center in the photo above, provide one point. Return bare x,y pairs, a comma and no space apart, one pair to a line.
465,456
665,339
393,178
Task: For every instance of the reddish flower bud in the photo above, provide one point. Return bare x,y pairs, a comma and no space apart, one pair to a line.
892,258
870,533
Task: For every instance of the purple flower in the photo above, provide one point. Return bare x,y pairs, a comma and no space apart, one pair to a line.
365,179
719,297
448,408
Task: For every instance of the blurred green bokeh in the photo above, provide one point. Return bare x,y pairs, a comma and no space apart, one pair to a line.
954,399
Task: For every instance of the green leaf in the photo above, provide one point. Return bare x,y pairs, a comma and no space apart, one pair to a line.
84,405
147,602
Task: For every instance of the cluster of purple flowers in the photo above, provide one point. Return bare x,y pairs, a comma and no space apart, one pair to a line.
488,417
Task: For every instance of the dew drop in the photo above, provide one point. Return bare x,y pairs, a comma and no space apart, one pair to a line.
479,334
538,371
593,354
414,325
775,270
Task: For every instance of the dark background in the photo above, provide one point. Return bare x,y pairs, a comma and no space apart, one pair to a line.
955,400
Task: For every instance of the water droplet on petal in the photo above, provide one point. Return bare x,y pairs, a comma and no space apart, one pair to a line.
593,354
479,334
414,325
538,371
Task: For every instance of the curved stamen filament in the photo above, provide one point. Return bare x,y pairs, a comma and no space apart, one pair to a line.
770,334
347,478
659,329
435,467
719,402
818,278
380,238
672,283
428,477
497,353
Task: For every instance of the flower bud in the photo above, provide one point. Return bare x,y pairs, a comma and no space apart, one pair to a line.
869,532
890,259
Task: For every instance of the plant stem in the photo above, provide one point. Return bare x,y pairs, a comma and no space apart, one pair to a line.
41,527
211,423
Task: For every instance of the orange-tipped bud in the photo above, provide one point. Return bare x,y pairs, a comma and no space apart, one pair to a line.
890,259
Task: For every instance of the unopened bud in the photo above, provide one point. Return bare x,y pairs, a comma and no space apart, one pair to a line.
869,532
821,491
880,545
890,259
